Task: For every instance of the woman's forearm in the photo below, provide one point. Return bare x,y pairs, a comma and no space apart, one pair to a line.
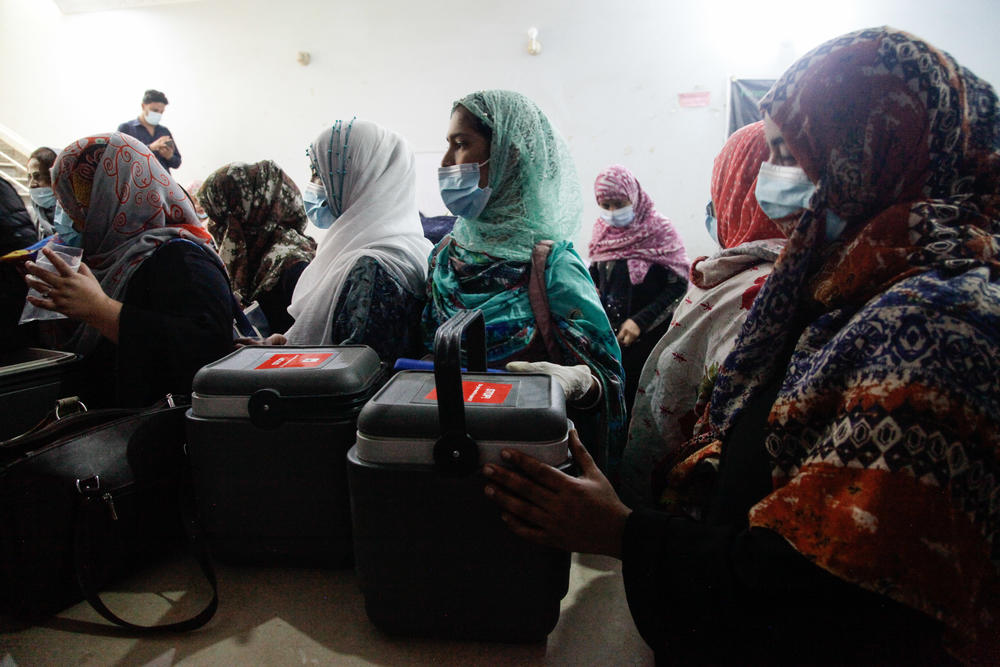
105,318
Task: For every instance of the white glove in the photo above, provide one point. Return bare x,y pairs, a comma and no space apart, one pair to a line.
576,381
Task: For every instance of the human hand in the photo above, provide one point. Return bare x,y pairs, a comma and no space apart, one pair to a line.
273,339
576,381
164,146
628,332
75,294
544,505
21,265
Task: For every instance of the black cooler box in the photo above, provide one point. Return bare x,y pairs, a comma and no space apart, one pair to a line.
432,555
268,432
31,381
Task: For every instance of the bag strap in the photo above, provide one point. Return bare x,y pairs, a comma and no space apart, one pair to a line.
57,425
539,298
64,408
84,567
70,416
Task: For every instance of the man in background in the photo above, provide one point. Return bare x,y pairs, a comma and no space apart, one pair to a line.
147,129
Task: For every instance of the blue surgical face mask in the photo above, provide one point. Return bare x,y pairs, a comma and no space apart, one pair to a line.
834,226
784,191
460,191
620,217
712,225
63,225
317,208
153,117
43,197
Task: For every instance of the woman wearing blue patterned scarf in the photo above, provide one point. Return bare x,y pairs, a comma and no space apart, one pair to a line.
855,512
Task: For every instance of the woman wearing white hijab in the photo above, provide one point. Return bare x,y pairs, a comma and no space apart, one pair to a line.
366,284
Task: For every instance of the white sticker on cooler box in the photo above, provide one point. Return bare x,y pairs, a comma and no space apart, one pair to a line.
293,361
480,392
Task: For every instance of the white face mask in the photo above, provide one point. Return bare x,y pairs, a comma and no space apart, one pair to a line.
153,118
619,217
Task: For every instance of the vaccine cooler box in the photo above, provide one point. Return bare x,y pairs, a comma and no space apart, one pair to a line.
268,432
432,555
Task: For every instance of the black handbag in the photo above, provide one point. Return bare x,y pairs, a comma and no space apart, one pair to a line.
89,497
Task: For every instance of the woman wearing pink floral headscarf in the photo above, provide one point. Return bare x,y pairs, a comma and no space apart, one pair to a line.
639,265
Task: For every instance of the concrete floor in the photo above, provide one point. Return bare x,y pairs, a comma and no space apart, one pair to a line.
312,617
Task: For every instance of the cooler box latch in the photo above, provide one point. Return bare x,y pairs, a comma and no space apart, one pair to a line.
265,409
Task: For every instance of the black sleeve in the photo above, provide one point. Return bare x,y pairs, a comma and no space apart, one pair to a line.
688,582
275,301
595,276
708,594
16,227
177,317
667,289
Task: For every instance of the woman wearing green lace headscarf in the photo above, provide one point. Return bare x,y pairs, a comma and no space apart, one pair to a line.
510,179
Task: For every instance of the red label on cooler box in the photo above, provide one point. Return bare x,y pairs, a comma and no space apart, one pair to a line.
293,361
480,392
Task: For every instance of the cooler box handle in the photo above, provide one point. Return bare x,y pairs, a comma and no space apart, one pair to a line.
455,452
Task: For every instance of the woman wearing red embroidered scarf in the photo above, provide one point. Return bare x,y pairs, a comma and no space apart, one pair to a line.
677,380
152,296
639,265
855,512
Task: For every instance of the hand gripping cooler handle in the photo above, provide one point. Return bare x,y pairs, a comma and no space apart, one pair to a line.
455,452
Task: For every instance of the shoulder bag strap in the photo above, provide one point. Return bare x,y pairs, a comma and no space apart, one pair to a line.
85,563
84,567
69,417
539,298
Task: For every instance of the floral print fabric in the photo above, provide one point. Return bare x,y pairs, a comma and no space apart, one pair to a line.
257,218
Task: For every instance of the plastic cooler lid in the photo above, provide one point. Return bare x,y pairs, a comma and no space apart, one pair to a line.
291,370
515,407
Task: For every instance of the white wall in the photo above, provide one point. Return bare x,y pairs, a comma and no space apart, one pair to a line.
608,77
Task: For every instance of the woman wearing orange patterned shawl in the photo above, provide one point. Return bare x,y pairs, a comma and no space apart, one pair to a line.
854,515
152,296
